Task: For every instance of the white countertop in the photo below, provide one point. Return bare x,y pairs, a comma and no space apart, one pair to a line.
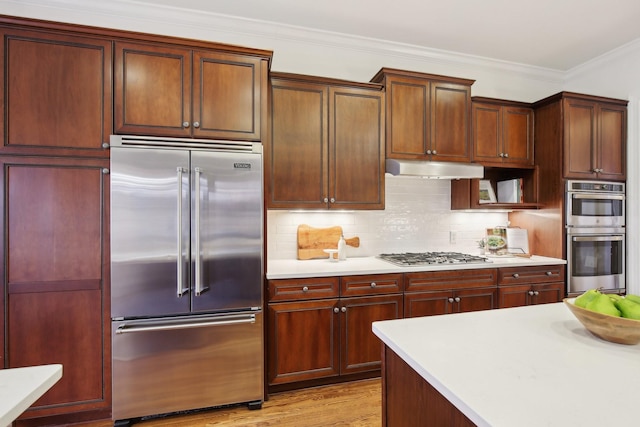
20,387
527,366
292,268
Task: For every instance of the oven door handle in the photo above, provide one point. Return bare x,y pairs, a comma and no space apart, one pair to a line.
597,238
599,196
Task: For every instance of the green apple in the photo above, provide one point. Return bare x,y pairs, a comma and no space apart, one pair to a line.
634,298
586,298
603,304
628,308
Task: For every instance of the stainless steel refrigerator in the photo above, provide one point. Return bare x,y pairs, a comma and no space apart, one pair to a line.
186,275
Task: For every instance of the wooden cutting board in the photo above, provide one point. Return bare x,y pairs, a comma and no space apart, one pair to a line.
313,241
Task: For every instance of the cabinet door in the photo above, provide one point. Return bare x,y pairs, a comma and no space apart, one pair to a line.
475,299
517,136
408,113
152,90
360,348
356,149
612,147
57,93
514,296
487,135
579,139
228,97
428,303
56,255
449,124
548,293
296,155
303,341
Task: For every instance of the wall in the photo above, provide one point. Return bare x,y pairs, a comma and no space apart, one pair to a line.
417,217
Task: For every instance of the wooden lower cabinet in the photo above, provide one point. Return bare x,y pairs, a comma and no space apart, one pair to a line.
408,400
520,286
310,339
55,274
454,291
446,302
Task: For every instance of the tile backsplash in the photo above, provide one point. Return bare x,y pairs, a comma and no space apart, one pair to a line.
417,217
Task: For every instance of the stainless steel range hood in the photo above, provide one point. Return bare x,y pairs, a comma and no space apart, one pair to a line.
435,170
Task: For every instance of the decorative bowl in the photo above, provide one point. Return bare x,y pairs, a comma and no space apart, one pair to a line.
609,328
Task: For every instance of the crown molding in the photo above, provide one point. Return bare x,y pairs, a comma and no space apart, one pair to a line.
133,15
631,49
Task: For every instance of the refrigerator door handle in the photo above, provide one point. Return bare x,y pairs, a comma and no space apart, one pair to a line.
198,255
181,290
132,327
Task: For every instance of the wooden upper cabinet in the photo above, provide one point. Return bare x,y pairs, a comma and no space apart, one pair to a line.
326,146
57,95
427,116
502,133
595,136
169,90
356,148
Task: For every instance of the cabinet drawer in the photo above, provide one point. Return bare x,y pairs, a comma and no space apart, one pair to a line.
302,289
535,274
450,279
370,285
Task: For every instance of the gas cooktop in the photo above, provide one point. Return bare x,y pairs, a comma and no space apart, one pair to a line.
427,258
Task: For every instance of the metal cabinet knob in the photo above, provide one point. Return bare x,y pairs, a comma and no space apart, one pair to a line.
457,299
450,300
305,289
326,200
196,124
185,124
548,273
105,171
506,155
516,275
536,293
530,293
343,309
428,151
434,152
105,145
333,200
336,310
373,284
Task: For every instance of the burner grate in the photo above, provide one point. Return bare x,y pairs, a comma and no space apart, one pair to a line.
428,258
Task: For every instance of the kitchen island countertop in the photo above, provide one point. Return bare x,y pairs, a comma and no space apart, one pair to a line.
292,268
526,366
20,387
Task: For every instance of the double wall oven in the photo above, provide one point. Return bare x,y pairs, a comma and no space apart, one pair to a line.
596,236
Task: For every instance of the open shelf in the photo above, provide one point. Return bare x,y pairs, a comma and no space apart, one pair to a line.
465,193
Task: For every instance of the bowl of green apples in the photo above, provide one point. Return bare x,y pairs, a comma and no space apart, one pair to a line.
610,317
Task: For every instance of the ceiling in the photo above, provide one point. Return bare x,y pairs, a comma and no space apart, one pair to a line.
553,34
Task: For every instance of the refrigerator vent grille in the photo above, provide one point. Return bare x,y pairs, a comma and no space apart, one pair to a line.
181,143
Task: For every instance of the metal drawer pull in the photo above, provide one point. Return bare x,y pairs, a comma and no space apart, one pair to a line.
344,309
450,300
160,326
336,310
516,275
548,273
305,289
373,284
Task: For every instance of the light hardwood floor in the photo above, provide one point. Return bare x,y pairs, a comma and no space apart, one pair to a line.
357,404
